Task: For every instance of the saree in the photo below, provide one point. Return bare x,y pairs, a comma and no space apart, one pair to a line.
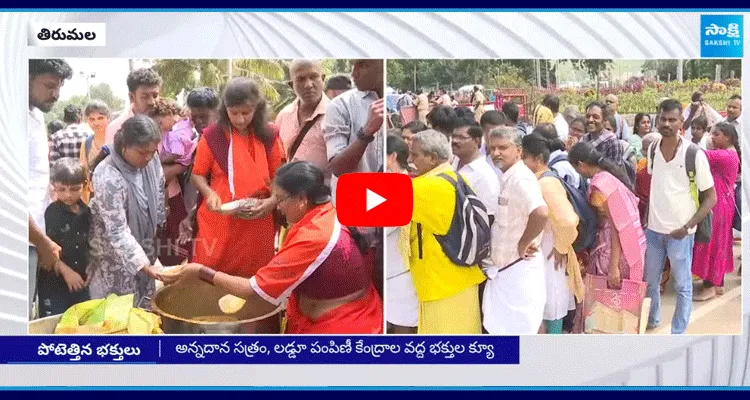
319,259
714,259
623,215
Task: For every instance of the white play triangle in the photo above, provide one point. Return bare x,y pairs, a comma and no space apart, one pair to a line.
373,200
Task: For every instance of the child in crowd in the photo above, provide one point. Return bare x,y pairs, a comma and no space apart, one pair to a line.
176,155
699,130
67,221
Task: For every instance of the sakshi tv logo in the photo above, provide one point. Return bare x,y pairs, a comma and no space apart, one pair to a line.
722,36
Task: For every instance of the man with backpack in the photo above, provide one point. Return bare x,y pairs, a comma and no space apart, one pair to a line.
682,196
445,242
515,294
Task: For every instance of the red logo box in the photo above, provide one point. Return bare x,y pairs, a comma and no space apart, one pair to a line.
374,199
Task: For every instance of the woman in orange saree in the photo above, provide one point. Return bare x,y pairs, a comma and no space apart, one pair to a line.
236,159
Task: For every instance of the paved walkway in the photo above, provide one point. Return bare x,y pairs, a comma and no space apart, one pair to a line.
721,315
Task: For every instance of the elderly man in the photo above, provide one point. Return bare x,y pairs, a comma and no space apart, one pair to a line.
622,130
144,88
301,122
448,294
515,294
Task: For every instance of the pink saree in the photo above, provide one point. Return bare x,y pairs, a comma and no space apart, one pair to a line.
623,209
712,260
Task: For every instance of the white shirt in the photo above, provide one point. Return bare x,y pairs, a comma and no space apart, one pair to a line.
670,204
483,180
39,195
561,126
519,197
737,126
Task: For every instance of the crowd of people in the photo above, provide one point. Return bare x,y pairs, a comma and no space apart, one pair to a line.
566,196
237,200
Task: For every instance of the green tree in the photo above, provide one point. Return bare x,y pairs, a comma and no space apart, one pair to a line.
594,68
103,92
58,110
694,69
179,75
337,66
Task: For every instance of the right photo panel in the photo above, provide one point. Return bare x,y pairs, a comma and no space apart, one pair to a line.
566,196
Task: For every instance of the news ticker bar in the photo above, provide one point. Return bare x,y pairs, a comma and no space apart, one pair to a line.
107,349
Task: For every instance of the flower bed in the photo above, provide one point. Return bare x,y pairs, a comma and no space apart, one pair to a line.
639,95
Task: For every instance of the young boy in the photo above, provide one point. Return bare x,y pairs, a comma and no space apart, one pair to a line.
67,220
700,133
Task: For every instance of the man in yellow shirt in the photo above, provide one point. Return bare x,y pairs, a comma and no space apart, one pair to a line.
448,294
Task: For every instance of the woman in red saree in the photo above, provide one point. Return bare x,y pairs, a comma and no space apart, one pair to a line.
712,260
320,268
620,241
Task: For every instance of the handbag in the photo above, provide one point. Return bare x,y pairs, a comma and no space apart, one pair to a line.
615,311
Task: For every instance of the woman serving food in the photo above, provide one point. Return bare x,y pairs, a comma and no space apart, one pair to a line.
320,268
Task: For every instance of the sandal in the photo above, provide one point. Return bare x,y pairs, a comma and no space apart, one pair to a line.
705,294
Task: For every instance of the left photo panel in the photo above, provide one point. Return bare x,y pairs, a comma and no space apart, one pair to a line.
188,196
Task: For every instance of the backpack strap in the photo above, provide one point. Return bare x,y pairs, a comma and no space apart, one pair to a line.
561,157
449,179
652,154
690,155
548,173
301,136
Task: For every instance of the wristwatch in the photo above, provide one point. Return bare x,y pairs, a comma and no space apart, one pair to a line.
364,137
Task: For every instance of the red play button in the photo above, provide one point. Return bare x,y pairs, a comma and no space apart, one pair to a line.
374,199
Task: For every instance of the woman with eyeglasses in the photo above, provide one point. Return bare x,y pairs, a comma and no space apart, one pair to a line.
320,271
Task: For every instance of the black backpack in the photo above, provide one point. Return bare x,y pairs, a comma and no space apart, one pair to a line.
467,242
587,220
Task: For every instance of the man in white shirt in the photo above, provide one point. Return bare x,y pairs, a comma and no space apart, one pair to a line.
472,165
46,77
552,102
673,215
514,298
